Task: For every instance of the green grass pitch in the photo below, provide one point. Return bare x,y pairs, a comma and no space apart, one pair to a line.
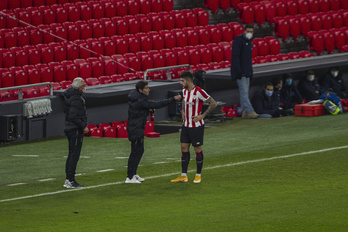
284,174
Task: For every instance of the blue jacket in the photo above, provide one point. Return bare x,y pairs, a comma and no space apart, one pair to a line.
241,60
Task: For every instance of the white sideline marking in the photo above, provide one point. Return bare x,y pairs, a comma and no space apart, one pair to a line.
83,157
49,179
25,155
106,170
16,184
162,162
171,174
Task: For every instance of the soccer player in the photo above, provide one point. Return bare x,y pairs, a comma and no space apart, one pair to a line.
193,125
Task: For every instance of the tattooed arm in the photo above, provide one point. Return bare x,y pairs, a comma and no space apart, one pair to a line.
212,106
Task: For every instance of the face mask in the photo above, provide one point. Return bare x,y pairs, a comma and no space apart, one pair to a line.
249,35
334,74
288,81
310,77
268,93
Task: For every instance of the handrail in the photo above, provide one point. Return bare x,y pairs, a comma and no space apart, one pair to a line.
20,94
169,77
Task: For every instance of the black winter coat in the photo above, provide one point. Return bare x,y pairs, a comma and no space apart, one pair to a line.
263,104
290,96
308,89
138,111
75,110
335,83
241,59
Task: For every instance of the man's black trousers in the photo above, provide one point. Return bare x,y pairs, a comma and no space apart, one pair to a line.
75,138
137,151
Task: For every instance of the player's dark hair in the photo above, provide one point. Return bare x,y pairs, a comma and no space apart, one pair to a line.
141,85
187,75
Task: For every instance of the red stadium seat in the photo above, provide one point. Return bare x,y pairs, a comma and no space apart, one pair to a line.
145,6
192,36
206,54
273,44
281,9
246,13
122,132
314,6
145,23
339,20
156,5
344,4
30,93
105,80
295,27
121,45
335,5
204,35
122,64
194,55
294,55
329,40
180,37
340,39
168,5
213,5
259,13
110,67
21,78
182,55
133,61
324,5
225,5
22,58
169,39
316,22
170,57
191,19
8,59
271,12
303,6
110,132
34,76
215,33
202,16
7,79
133,25
327,21
71,72
74,13
133,44
157,41
305,54
180,19
316,42
92,81
96,132
72,52
133,7
282,27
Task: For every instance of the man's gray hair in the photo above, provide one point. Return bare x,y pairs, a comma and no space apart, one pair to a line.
77,82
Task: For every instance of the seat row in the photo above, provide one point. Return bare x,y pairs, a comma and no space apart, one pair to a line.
94,28
329,40
144,6
71,12
263,11
116,64
56,52
302,24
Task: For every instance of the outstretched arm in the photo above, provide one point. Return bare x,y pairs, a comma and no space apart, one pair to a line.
211,107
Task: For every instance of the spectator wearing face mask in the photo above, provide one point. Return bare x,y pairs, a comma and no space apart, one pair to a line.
309,86
334,80
290,96
264,102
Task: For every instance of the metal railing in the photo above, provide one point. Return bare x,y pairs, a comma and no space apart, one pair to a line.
20,93
169,77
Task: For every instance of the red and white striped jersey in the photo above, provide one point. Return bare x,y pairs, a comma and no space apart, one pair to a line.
193,105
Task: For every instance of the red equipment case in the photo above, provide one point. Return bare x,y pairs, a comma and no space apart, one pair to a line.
309,110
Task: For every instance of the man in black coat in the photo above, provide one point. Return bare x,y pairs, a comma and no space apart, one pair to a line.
242,70
75,126
334,80
265,103
309,87
139,107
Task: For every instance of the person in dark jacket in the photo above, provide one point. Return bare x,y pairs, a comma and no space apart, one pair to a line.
309,87
75,126
334,80
290,96
242,70
138,110
265,103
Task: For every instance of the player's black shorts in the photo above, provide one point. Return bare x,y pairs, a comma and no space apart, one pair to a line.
193,135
